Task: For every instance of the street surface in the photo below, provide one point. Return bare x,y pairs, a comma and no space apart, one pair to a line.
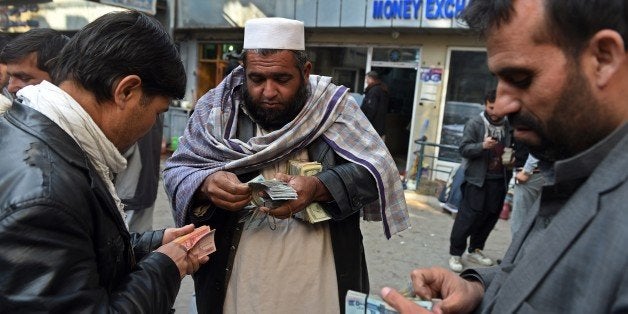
389,262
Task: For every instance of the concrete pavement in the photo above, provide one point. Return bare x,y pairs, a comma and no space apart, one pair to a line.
424,244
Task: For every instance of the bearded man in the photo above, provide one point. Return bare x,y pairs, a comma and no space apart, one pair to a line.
262,115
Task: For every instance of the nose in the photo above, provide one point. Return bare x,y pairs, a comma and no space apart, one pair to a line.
505,101
14,85
270,90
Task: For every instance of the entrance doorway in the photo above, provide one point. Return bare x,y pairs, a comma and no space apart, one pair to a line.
397,68
400,82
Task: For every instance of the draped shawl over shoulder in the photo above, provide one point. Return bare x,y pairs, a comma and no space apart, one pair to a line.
210,144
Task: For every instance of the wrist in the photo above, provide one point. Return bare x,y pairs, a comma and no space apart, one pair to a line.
321,193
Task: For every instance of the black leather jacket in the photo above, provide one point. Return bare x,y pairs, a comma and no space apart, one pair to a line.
351,186
64,247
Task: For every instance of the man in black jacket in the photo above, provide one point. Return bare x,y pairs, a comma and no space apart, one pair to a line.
375,103
65,247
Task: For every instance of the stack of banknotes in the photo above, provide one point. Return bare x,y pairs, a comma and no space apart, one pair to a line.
360,303
200,241
270,193
313,213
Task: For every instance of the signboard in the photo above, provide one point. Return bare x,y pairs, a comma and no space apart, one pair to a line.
148,6
416,13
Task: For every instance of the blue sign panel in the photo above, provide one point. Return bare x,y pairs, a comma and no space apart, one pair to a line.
411,9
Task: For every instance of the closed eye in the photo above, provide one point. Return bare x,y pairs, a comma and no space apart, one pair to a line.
519,78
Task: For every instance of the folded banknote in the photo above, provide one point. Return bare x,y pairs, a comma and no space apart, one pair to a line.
200,241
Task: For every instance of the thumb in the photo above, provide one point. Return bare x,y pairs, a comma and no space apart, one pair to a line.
177,232
400,303
283,177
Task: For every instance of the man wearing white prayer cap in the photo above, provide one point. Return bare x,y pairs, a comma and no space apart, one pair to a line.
265,115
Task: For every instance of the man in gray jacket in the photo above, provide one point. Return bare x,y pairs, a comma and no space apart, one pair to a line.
486,177
562,69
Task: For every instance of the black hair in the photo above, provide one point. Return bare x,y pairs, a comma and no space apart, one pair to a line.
45,42
120,44
569,23
300,56
4,40
490,96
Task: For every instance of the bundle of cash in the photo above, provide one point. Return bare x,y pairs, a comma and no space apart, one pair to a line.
360,303
270,193
200,241
313,213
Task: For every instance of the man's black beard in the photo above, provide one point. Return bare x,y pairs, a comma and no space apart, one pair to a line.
541,151
270,119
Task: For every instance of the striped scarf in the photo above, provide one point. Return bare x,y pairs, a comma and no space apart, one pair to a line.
210,144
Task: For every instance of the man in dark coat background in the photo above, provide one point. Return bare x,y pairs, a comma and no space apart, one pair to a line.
375,103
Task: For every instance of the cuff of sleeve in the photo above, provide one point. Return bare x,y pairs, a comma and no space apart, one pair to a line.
472,275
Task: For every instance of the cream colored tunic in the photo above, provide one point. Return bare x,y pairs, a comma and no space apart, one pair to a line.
287,270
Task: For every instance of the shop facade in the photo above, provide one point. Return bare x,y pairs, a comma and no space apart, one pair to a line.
434,67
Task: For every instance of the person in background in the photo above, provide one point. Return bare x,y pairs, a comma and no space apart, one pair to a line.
375,103
234,60
5,97
528,184
562,68
486,178
452,200
263,115
137,184
29,57
65,247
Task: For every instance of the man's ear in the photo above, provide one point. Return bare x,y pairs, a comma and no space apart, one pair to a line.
128,88
306,70
606,49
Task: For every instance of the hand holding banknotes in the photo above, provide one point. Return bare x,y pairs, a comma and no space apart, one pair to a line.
458,295
309,189
187,262
225,190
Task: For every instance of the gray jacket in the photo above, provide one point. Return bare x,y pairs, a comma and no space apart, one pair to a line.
575,260
477,157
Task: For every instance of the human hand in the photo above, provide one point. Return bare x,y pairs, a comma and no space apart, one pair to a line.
173,233
401,303
458,295
225,190
522,177
309,189
489,142
187,262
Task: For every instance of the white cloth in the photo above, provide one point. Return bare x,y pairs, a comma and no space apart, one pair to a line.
5,104
274,33
63,110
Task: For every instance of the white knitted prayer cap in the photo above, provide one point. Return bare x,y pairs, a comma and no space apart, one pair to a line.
274,33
